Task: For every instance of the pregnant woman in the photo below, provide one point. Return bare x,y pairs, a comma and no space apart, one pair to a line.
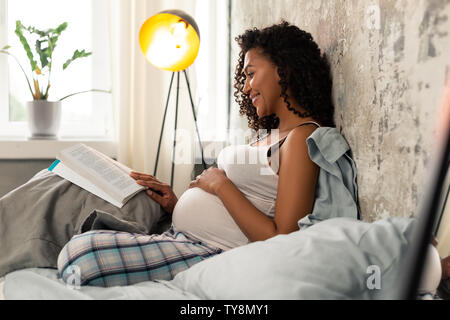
283,86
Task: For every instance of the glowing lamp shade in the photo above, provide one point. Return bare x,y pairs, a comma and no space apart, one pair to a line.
170,40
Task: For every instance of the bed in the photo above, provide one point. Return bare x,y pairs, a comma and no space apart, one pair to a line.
333,255
333,259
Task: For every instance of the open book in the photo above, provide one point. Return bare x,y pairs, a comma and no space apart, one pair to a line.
96,173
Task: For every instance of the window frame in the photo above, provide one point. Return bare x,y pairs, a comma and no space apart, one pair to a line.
72,130
4,83
213,125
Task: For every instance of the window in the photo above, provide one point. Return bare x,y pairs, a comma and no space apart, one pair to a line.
211,70
83,115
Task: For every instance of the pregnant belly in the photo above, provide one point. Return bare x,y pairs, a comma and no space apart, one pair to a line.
202,215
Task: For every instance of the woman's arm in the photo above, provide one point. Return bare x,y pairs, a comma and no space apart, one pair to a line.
295,196
252,222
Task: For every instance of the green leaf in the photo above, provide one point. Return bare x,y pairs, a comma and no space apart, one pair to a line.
77,54
43,53
25,44
44,48
91,90
38,32
6,47
52,43
60,28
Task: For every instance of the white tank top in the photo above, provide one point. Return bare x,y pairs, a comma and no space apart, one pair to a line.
203,216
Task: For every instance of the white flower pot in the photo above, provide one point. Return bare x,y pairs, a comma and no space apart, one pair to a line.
44,119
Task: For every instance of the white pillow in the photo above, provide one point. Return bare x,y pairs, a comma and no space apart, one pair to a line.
333,259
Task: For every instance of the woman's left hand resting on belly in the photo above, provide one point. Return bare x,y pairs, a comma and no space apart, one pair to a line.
210,180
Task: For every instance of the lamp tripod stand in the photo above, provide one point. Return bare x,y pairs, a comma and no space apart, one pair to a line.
175,126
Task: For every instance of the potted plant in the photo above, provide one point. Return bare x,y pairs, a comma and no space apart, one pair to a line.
44,116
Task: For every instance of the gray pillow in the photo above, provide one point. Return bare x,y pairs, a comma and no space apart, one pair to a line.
333,259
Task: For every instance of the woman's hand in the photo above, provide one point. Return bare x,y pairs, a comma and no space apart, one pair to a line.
210,180
159,191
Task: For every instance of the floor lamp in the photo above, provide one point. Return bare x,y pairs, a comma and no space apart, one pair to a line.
170,41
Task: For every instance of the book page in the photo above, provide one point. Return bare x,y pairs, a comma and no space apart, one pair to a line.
65,172
98,169
121,166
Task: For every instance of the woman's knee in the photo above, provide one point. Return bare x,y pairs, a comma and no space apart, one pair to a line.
77,264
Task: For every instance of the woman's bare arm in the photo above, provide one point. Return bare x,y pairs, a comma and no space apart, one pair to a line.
297,181
295,198
253,223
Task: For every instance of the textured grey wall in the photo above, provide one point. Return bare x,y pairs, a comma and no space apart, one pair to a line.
389,61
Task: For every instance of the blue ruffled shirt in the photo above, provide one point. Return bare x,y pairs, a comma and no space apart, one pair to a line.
336,189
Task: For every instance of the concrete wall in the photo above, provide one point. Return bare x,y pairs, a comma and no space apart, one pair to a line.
389,62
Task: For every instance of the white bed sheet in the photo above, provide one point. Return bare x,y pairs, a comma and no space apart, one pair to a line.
44,284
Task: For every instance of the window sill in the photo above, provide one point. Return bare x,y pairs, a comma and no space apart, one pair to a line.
22,148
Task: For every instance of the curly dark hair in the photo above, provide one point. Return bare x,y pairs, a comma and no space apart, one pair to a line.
301,68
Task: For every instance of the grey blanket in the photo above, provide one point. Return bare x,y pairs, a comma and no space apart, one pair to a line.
38,218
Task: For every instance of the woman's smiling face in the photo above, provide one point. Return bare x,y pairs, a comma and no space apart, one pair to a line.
261,82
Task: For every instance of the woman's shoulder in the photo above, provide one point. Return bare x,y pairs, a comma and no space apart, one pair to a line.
295,148
299,134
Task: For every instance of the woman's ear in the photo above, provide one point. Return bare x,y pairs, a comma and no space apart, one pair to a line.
277,75
286,71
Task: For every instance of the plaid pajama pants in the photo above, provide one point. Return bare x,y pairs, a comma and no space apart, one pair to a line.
109,258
